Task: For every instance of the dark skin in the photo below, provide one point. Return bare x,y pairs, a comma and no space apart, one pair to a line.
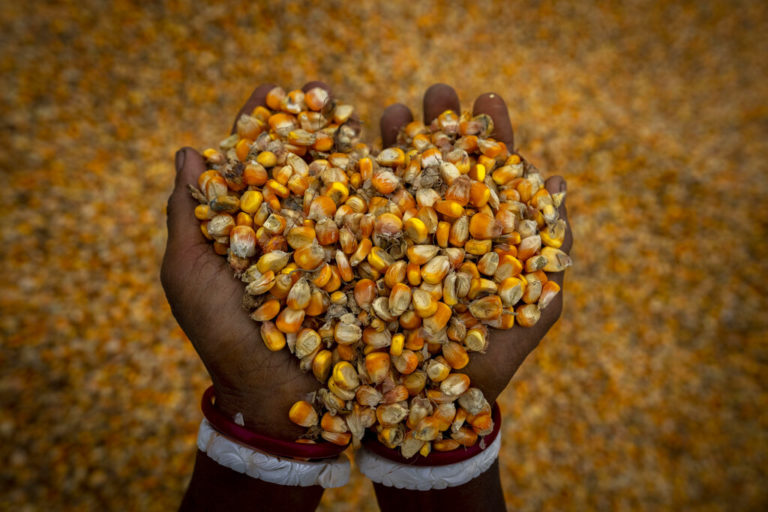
262,385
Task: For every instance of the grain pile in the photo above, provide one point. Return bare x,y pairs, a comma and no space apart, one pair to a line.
647,395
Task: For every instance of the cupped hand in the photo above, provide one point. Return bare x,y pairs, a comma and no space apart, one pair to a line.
507,349
206,298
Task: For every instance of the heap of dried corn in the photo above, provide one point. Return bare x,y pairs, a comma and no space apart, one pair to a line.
381,274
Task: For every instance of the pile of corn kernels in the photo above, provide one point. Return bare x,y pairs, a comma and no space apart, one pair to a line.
381,273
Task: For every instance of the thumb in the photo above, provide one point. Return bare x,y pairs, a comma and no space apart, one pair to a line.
183,231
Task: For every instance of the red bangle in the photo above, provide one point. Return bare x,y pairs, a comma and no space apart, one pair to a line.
270,445
438,458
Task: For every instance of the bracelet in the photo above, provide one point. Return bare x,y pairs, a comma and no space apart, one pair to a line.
437,471
271,460
268,468
239,433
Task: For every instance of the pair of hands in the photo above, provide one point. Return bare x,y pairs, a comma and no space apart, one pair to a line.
206,298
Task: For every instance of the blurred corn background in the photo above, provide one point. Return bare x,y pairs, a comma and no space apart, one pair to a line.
649,394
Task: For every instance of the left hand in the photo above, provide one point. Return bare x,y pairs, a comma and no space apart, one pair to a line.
507,349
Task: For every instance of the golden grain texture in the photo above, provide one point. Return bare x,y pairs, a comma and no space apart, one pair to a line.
648,395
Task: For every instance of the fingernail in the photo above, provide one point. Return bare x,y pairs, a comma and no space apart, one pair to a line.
181,155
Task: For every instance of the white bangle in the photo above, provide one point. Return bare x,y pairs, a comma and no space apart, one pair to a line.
423,478
271,468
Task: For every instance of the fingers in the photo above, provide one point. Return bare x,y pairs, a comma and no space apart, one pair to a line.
316,83
257,97
556,184
392,120
493,105
183,230
438,99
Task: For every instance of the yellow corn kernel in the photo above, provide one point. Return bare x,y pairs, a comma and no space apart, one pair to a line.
478,172
415,382
391,157
303,414
243,219
416,230
299,296
456,355
345,375
266,311
487,162
483,226
335,282
410,320
399,299
450,292
278,188
388,224
435,290
273,261
333,423
415,340
478,247
424,303
266,159
407,362
275,97
327,232
282,287
549,291
396,348
439,320
504,321
308,343
413,273
321,365
481,287
379,259
309,257
262,284
476,339
435,270
213,156
455,384
437,370
445,445
204,212
346,334
451,210
337,191
511,291
509,266
318,304
272,337
363,249
289,320
242,148
377,366
488,264
528,315
486,308
343,266
535,262
557,260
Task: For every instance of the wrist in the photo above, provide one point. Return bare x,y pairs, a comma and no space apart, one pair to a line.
438,470
265,458
264,413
